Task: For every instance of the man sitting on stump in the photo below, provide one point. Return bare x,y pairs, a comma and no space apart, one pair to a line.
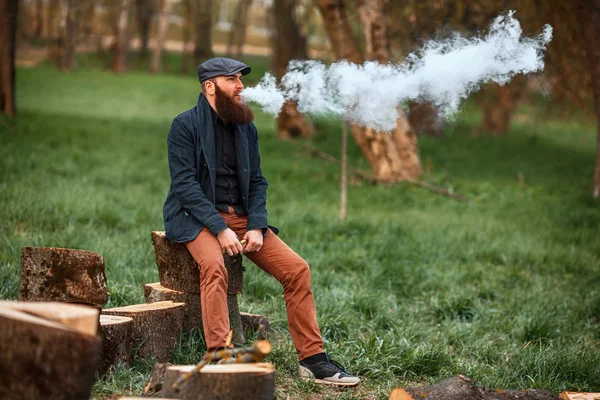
217,198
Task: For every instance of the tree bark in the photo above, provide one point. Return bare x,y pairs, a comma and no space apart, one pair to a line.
119,61
187,34
8,31
143,12
498,103
116,333
591,20
391,157
203,22
289,44
237,34
68,35
156,326
47,355
161,34
67,275
219,382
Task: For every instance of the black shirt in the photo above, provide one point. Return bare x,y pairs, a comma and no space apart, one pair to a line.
227,191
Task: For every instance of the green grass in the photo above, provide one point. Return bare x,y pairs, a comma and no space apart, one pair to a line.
413,288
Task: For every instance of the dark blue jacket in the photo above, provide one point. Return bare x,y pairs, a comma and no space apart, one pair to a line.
189,206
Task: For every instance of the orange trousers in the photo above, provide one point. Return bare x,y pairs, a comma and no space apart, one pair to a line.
275,258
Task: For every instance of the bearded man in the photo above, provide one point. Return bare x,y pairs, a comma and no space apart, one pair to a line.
217,198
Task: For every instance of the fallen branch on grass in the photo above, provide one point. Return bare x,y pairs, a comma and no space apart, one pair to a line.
371,179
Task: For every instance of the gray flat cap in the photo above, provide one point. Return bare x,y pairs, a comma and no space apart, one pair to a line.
221,66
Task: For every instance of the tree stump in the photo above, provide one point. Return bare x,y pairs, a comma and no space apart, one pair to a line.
178,270
49,350
256,323
66,275
462,388
579,396
156,326
192,316
222,381
116,333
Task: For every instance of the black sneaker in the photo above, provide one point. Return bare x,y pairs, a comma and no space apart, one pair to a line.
326,372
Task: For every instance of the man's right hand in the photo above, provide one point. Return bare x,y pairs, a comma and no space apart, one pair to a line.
229,242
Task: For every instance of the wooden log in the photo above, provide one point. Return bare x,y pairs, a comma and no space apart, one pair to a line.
462,388
178,270
192,315
235,320
67,275
49,351
256,324
156,326
579,396
156,379
116,333
222,381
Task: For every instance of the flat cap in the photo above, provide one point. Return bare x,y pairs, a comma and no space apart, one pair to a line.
221,66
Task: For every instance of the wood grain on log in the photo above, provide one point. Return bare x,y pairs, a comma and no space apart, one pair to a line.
235,321
116,333
54,274
220,382
157,326
256,324
579,396
45,359
462,388
192,316
178,270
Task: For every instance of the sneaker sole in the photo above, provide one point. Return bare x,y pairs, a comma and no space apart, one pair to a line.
329,383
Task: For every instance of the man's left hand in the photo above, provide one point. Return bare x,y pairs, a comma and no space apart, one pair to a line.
254,240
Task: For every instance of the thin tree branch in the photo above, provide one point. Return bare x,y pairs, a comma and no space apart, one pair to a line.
371,179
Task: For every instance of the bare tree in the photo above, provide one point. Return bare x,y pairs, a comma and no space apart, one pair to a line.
121,46
8,30
391,157
161,34
186,36
237,35
143,12
590,15
202,11
68,35
288,44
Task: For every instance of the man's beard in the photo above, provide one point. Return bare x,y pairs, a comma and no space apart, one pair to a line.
229,110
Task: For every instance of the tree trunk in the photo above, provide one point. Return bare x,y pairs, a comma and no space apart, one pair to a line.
119,62
38,19
156,326
498,103
203,22
591,19
68,35
289,44
8,31
391,157
424,119
187,34
143,12
237,34
54,274
49,350
161,34
51,16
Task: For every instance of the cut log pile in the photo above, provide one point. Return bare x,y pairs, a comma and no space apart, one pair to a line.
49,350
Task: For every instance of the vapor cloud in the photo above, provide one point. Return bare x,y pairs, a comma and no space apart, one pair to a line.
443,73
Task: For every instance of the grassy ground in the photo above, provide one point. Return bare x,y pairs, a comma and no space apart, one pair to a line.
412,289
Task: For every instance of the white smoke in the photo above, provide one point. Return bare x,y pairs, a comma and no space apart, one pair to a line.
444,73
